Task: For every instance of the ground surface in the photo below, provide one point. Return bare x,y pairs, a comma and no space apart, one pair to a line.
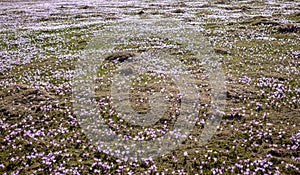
258,43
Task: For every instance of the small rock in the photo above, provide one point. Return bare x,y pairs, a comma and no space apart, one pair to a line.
178,11
85,7
140,12
281,79
120,56
287,28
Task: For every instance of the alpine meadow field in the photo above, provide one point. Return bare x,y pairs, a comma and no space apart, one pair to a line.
241,55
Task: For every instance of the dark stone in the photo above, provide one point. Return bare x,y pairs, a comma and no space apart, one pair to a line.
141,12
178,11
287,28
120,56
